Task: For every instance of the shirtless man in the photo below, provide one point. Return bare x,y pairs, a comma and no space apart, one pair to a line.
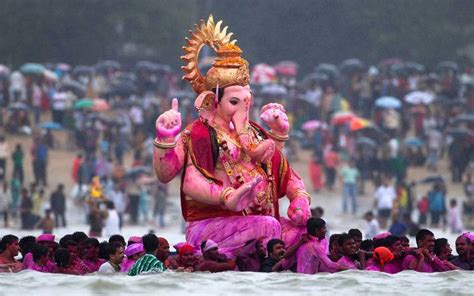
9,250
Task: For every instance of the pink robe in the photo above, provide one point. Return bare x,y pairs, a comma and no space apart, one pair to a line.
49,267
28,261
428,267
93,266
392,267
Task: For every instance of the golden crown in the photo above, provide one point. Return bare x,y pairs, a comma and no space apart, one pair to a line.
229,68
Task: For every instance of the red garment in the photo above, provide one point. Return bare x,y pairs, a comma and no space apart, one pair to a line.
76,165
423,205
201,155
316,175
331,159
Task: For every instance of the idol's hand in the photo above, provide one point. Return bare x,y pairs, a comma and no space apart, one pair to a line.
274,115
299,211
243,197
168,124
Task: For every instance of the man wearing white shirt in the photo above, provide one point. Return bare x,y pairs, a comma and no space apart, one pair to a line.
115,259
384,197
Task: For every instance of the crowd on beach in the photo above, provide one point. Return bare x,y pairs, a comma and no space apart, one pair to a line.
313,253
361,124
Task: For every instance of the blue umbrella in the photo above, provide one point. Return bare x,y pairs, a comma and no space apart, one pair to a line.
32,68
51,125
388,102
414,142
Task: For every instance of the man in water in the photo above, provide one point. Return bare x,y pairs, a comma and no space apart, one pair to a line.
91,255
348,249
213,261
115,259
280,259
9,249
312,255
148,263
185,261
163,251
463,246
423,259
251,255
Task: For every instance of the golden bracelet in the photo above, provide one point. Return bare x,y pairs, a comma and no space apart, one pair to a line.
225,193
161,145
277,137
301,192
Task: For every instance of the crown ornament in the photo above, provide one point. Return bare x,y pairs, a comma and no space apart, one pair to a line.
229,68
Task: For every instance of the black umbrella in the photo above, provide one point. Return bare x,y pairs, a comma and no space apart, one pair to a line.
466,117
413,67
315,78
363,141
447,66
82,71
18,106
137,171
460,132
106,65
431,179
352,65
75,87
124,88
329,69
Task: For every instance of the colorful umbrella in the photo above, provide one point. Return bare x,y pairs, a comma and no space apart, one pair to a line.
342,117
388,103
100,105
358,123
286,68
262,74
419,97
414,141
32,68
84,104
366,141
311,125
51,125
274,90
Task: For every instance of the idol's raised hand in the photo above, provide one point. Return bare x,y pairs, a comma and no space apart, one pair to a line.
168,124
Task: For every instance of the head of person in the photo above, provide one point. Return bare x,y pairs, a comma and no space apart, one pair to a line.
60,188
442,248
356,235
40,255
405,243
9,245
394,244
111,206
387,181
369,216
210,250
186,255
73,248
118,239
425,239
26,244
276,249
91,248
150,243
64,240
317,212
104,250
134,240
62,258
334,249
463,245
316,227
163,251
453,203
367,245
116,253
80,238
347,245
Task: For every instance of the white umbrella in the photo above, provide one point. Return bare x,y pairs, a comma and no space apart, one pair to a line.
419,97
262,74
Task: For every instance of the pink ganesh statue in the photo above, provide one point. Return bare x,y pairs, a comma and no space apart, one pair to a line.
233,170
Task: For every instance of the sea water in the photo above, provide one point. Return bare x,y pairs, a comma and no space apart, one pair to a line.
240,283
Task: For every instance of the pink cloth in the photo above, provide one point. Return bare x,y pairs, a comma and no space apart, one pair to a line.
290,231
428,267
126,265
373,267
49,267
45,238
28,261
93,266
134,249
210,244
312,257
394,266
348,263
231,233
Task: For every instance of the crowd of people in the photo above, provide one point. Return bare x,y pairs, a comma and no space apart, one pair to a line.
313,253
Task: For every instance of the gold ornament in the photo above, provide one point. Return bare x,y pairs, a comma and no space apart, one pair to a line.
229,68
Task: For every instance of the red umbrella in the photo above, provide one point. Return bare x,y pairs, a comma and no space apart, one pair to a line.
100,105
358,123
342,117
286,68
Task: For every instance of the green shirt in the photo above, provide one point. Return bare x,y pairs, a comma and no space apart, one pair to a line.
146,264
349,175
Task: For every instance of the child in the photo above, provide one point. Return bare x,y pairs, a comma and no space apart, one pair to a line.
372,225
423,206
47,223
454,217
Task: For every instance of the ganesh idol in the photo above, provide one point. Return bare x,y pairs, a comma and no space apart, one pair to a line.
233,171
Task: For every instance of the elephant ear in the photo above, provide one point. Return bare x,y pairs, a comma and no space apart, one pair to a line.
205,105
